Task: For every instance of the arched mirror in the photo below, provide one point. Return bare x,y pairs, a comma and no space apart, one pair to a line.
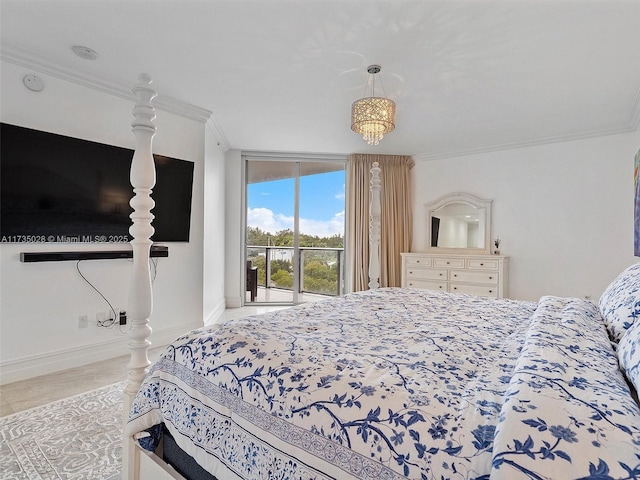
459,222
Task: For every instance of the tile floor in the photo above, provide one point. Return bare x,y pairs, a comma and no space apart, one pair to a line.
33,392
280,295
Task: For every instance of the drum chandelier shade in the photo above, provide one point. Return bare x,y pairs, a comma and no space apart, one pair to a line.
373,117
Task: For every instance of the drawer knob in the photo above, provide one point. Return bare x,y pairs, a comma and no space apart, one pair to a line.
440,287
411,272
490,291
440,274
447,263
417,261
482,264
455,274
490,278
455,288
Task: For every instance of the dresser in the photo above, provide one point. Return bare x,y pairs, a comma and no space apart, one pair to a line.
485,275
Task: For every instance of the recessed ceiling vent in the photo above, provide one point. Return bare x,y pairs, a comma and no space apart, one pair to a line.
84,52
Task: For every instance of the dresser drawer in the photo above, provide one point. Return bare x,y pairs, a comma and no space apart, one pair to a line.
484,291
426,274
482,264
429,285
448,262
417,261
484,275
490,278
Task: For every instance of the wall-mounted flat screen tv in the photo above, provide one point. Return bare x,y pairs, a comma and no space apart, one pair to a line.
55,188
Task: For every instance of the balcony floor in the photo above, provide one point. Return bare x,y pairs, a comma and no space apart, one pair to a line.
280,296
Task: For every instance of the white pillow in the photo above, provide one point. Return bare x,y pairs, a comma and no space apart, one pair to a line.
620,303
629,355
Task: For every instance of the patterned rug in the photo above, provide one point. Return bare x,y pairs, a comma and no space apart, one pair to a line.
76,438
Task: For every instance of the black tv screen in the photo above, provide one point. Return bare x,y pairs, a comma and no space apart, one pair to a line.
55,188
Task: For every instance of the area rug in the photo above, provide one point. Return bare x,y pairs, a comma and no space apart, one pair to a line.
77,438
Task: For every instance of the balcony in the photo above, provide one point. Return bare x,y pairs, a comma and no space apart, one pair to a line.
320,271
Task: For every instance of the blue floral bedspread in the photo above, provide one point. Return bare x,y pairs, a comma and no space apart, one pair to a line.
399,383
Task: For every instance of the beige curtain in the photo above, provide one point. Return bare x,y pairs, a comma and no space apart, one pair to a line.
396,218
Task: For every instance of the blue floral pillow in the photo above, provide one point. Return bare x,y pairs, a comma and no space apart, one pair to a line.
629,355
620,303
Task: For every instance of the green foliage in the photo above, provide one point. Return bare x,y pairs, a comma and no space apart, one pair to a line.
282,279
320,277
320,272
284,238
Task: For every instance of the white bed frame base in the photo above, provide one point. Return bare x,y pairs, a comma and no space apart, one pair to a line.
152,467
138,464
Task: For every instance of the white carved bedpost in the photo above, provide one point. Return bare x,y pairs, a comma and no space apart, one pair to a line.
143,179
374,227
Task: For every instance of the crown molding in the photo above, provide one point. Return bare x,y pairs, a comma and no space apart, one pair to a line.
212,125
631,125
28,60
627,128
16,56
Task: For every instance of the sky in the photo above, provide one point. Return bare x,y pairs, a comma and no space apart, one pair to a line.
270,204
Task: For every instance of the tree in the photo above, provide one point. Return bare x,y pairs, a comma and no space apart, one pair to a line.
284,238
320,272
320,278
282,279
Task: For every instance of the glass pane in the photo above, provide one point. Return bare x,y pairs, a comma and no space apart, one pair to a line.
269,240
321,237
277,241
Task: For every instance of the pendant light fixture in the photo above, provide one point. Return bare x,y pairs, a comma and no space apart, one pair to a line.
373,117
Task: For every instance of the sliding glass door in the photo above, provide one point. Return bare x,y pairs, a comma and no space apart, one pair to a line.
294,242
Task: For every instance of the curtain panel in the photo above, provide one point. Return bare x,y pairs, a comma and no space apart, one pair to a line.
396,217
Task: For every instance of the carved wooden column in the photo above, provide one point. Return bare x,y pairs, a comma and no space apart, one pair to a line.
374,227
143,179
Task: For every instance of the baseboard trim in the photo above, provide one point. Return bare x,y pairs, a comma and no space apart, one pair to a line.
233,302
43,364
216,314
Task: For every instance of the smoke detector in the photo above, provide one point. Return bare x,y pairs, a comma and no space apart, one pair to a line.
33,82
84,52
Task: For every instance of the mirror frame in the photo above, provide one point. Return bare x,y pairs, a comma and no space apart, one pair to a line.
468,199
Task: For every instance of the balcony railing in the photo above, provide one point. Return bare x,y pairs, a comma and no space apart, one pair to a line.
320,269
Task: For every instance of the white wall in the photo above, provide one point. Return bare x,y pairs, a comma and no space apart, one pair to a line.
214,229
233,230
40,303
564,211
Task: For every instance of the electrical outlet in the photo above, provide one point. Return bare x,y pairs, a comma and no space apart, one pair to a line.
83,321
101,317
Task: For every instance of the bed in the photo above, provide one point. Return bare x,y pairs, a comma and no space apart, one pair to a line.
388,383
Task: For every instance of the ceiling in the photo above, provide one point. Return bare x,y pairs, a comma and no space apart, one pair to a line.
281,75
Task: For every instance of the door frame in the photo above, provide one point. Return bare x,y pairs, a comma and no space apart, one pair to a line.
297,159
